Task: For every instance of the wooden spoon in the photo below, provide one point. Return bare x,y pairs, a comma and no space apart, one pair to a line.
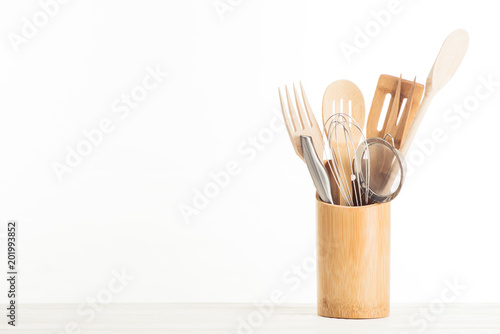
343,96
446,64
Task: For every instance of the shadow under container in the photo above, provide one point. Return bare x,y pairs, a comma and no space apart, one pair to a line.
353,260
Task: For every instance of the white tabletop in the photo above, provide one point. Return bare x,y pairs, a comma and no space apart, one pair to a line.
247,319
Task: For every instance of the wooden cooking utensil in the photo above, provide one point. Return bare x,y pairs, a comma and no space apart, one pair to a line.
399,89
307,140
308,126
446,64
407,116
392,129
343,96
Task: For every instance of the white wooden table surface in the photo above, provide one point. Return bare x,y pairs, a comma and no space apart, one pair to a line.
227,318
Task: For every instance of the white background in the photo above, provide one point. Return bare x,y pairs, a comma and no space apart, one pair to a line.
120,208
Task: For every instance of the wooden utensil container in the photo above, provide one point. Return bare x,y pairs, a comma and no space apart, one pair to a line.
353,260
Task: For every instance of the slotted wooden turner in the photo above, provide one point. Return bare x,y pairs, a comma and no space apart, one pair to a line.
397,121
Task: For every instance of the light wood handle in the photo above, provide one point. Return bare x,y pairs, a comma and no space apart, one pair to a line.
426,101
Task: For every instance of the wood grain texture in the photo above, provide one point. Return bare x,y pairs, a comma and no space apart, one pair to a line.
227,319
307,126
388,84
353,260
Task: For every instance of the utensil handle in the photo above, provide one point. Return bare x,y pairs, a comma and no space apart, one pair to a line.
317,170
419,116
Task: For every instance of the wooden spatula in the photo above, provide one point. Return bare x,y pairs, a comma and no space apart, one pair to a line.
397,121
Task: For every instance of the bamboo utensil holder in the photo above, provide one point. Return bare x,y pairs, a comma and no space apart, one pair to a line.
353,260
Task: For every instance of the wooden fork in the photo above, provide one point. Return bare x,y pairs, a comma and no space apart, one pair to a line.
307,126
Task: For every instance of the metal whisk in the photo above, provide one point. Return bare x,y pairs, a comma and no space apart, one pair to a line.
344,136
